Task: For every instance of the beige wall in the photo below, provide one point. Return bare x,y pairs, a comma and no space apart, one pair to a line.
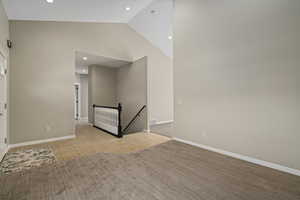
42,66
237,77
132,92
102,87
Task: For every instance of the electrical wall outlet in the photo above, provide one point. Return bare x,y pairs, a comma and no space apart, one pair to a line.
48,128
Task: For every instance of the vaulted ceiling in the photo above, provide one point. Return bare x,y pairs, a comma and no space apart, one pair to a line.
150,18
75,10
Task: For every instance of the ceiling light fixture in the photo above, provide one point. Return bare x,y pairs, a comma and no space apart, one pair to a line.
127,8
50,1
84,58
170,37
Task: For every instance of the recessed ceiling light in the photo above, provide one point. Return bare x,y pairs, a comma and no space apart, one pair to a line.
170,37
127,8
50,1
84,58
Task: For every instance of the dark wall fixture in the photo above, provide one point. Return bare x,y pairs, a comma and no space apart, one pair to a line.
9,43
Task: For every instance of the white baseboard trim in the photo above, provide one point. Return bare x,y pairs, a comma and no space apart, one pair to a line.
41,141
161,123
245,158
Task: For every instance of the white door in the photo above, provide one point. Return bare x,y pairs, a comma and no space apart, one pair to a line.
3,106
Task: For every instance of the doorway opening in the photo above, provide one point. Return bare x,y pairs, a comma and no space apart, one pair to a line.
111,94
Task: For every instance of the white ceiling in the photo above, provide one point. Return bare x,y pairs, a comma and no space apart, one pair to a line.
150,18
74,10
81,65
155,23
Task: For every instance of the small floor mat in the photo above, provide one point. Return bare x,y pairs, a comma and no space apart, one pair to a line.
26,159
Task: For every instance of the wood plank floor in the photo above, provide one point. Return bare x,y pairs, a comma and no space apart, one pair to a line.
169,171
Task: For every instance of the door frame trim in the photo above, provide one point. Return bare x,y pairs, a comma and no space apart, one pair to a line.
6,148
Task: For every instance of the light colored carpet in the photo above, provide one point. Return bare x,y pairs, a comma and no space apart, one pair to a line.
169,171
90,140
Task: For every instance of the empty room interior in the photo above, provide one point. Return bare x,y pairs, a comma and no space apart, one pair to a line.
149,99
